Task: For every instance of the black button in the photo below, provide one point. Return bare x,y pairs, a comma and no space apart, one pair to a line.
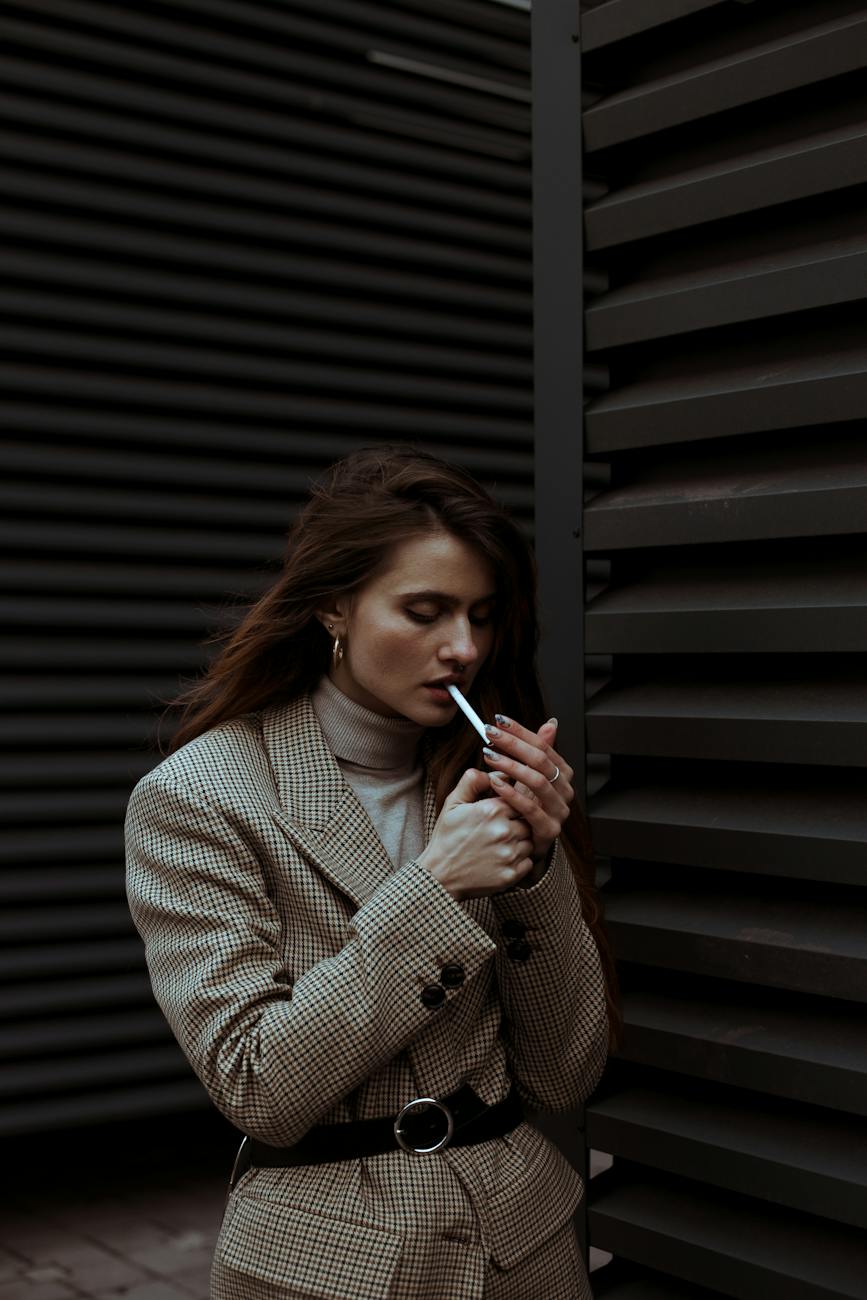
433,995
512,928
452,975
518,949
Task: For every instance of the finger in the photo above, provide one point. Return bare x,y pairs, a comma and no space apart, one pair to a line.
548,794
537,753
526,806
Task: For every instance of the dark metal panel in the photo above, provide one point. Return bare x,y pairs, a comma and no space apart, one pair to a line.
807,1049
714,604
558,450
799,58
766,712
781,390
739,290
240,241
811,1159
676,500
212,63
774,938
727,817
621,1280
615,20
828,160
748,1248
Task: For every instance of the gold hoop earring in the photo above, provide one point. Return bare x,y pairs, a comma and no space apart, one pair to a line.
336,652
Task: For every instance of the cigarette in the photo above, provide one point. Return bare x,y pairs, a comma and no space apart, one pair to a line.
468,710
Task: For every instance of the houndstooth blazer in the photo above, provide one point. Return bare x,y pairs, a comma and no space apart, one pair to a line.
289,957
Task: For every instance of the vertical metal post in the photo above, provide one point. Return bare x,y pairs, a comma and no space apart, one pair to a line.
559,433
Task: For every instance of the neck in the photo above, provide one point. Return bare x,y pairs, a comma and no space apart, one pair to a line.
358,735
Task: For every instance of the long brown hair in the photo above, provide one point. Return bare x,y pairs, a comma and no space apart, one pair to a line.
367,503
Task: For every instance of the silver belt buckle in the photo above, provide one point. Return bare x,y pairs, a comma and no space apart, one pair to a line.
416,1107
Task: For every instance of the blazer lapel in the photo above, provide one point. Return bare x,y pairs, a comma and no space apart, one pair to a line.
320,812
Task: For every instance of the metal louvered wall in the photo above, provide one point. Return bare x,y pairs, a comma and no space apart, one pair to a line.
725,626
240,238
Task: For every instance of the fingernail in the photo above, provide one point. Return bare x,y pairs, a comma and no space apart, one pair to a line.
552,722
499,777
491,732
503,720
489,753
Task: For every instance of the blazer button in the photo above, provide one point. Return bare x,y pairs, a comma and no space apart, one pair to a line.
452,975
518,949
512,928
433,995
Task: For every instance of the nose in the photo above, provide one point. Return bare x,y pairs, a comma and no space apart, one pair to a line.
461,646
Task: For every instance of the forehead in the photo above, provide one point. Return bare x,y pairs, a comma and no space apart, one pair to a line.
438,561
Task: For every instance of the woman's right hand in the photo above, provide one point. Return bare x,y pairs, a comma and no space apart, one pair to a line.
478,846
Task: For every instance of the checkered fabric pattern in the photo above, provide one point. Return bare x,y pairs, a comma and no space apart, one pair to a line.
289,958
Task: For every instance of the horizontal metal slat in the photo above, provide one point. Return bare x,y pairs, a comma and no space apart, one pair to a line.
65,993
779,713
30,651
43,1115
218,65
731,395
17,925
816,163
116,614
622,1280
113,540
279,266
76,1033
758,71
347,348
89,955
305,234
809,1159
818,489
506,44
248,307
124,179
231,403
748,1247
105,577
779,604
806,1049
779,939
232,366
618,19
229,118
58,1074
806,824
750,288
146,144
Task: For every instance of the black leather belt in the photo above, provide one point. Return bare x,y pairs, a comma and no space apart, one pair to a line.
423,1126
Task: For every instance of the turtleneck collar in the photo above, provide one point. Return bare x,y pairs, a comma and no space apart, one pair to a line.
358,735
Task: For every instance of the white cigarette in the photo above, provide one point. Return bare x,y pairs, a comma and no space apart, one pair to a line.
468,710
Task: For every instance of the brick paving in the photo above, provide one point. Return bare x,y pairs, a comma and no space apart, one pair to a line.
123,1212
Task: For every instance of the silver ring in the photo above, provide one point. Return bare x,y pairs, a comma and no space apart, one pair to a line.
413,1107
553,778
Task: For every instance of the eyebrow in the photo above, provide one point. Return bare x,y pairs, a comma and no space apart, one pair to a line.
443,596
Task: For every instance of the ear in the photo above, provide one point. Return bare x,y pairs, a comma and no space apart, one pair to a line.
335,612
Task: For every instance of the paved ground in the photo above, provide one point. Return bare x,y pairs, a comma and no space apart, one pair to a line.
117,1214
126,1212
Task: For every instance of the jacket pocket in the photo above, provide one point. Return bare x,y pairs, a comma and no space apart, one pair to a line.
307,1255
523,1217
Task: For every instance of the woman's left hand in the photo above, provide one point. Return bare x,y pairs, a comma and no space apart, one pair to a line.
529,758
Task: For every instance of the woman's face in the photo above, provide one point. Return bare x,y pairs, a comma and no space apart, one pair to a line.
397,638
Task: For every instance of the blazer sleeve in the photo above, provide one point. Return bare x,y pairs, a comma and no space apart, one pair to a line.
275,1057
551,989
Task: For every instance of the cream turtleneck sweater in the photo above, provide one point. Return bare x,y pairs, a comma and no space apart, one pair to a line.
380,759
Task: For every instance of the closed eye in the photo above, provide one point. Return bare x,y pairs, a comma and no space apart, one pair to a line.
431,618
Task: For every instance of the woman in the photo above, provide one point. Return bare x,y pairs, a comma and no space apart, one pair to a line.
348,908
